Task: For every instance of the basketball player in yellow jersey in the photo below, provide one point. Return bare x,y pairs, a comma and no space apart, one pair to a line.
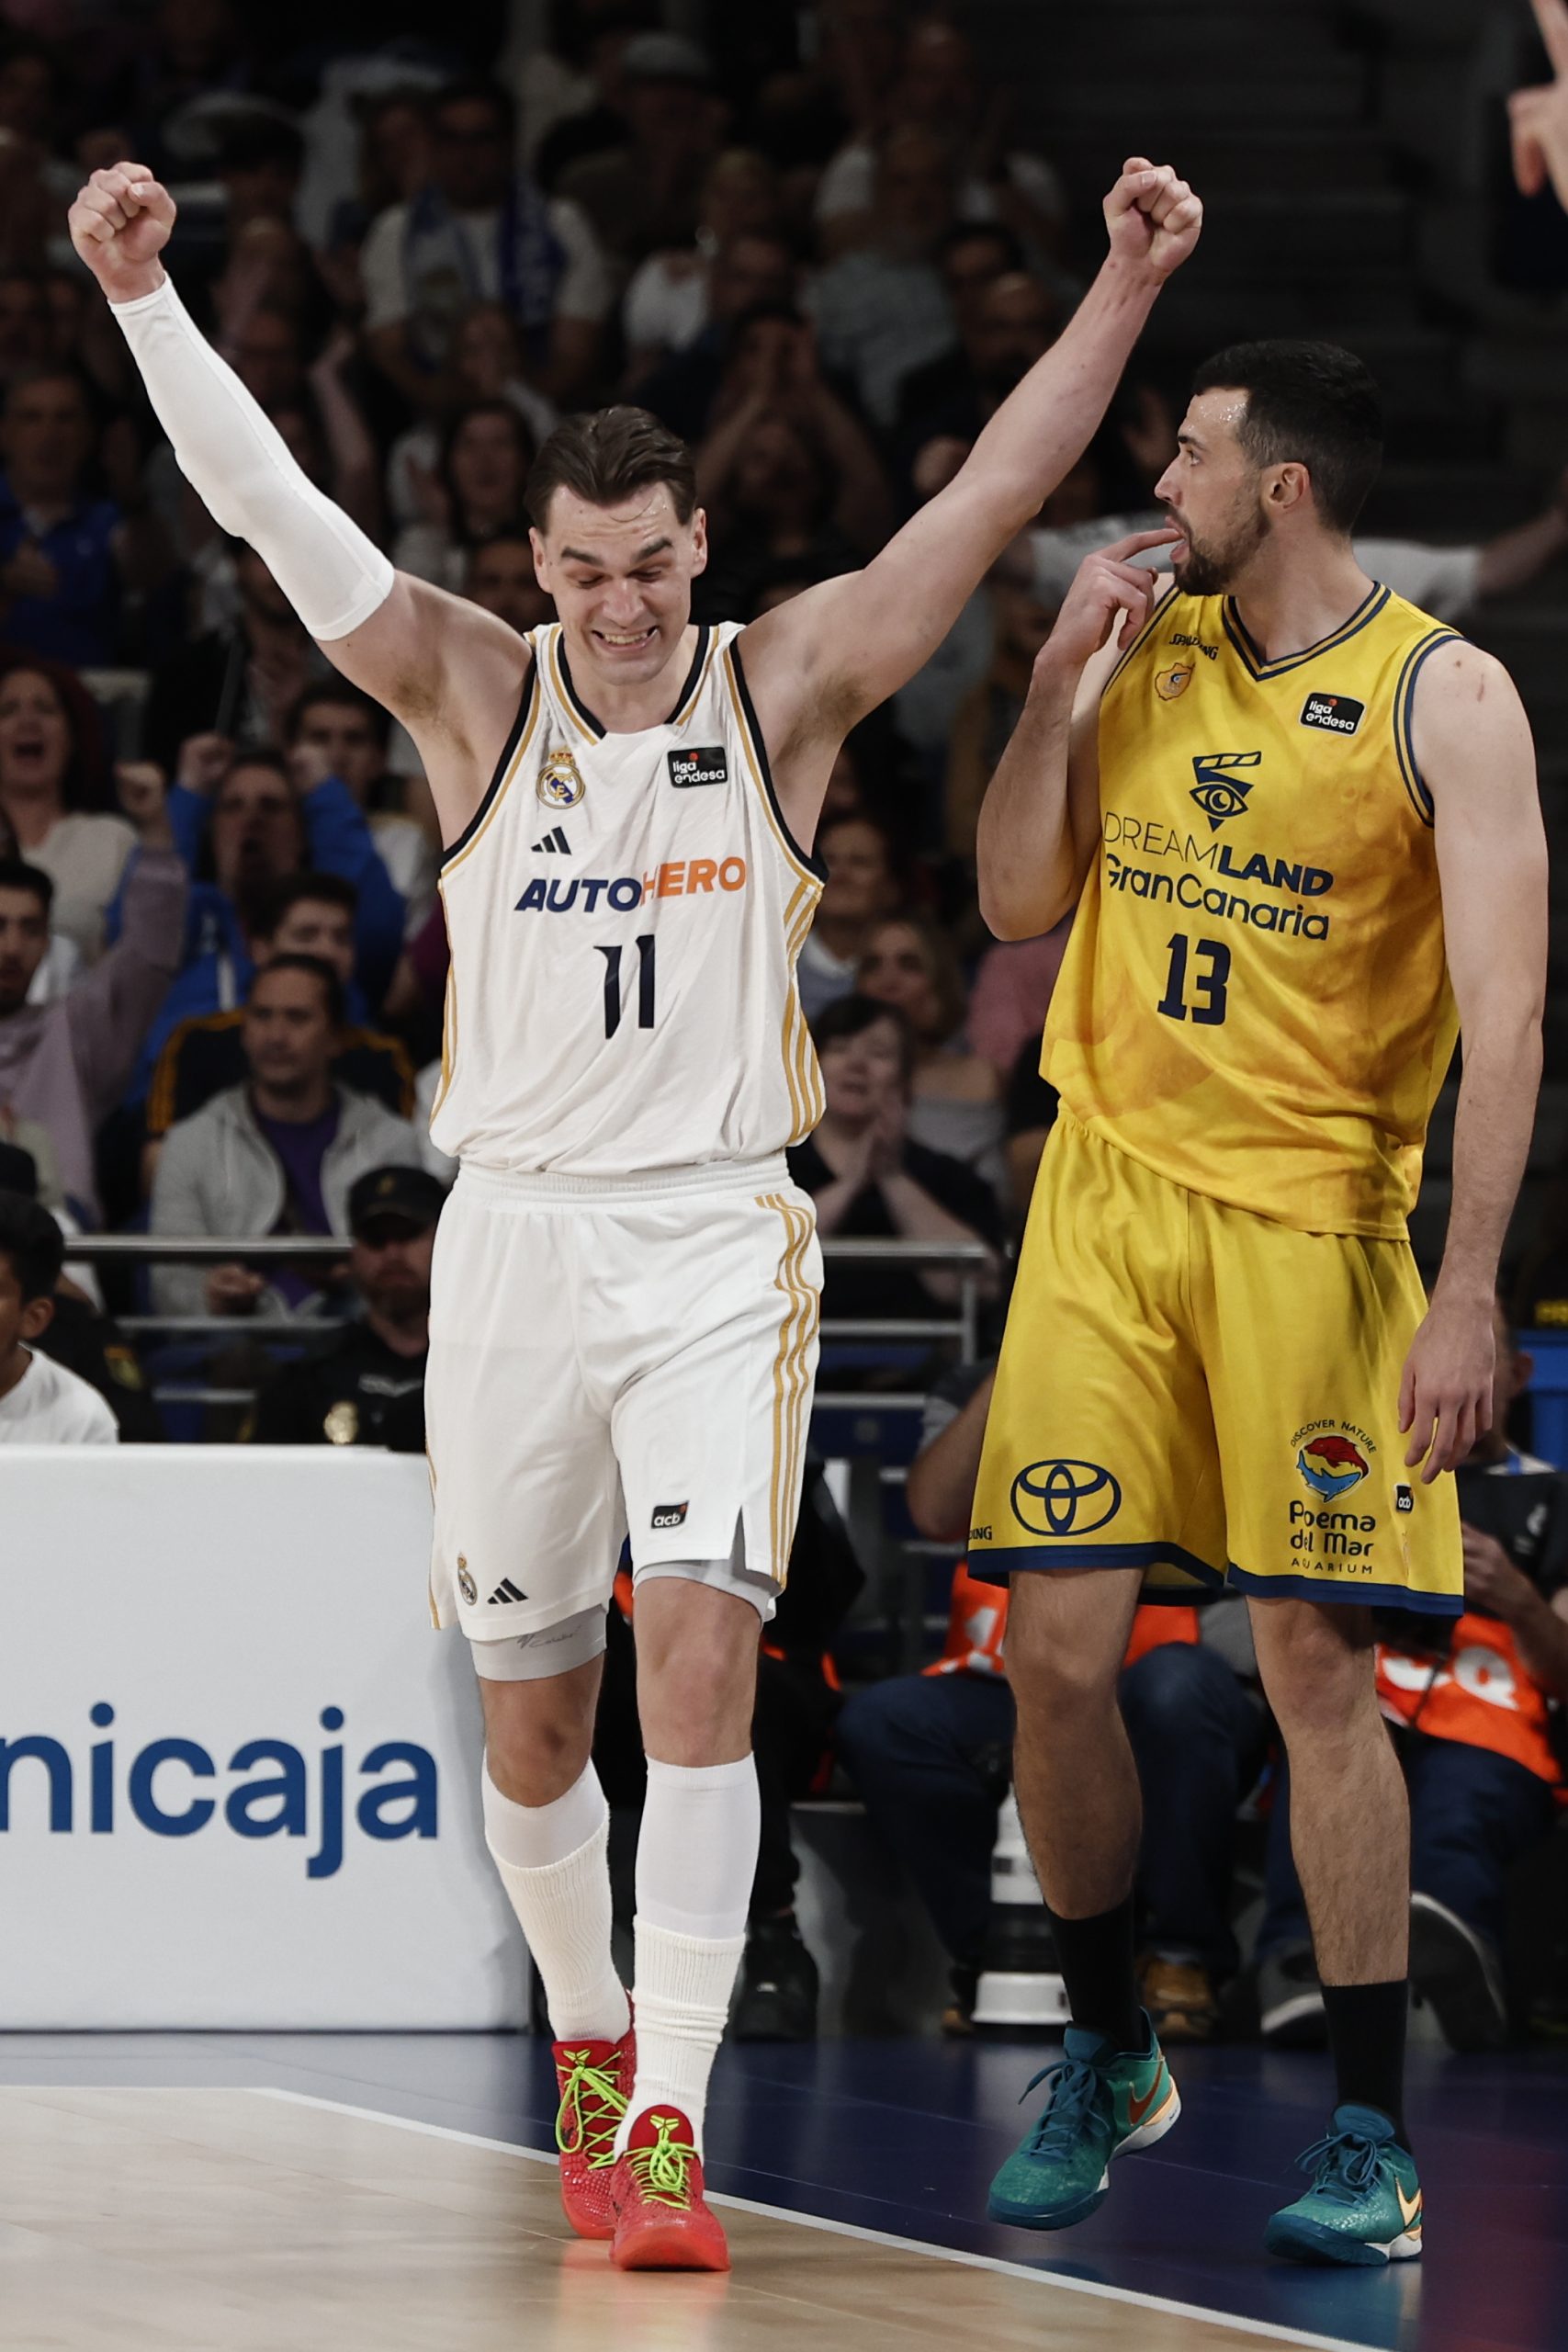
1298,820
625,1286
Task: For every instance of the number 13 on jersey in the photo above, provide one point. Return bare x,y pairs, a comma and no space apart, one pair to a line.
1211,978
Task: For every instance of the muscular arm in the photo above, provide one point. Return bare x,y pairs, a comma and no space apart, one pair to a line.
1473,747
1040,821
818,664
405,642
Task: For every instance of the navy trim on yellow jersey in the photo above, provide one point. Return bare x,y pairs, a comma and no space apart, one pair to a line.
995,1566
526,703
580,708
1372,1596
807,858
1256,667
1404,702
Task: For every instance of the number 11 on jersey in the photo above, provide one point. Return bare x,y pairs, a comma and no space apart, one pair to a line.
644,984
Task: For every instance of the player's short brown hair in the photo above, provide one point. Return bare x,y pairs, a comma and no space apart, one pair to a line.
609,456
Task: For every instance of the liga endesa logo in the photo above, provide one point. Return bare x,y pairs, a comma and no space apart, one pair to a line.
277,1790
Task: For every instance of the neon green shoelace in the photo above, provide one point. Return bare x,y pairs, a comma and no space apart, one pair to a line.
661,2172
590,2109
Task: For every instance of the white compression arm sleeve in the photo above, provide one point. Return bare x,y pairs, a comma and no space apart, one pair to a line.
237,462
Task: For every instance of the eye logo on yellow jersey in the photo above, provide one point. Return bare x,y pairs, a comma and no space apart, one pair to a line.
1064,1497
1221,791
1169,683
559,784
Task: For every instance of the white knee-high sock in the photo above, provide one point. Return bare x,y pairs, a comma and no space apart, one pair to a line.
695,1861
553,1861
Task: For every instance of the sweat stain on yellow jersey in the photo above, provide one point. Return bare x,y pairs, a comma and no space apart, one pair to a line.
1254,1002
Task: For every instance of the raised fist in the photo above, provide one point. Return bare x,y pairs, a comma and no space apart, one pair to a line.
1153,218
120,224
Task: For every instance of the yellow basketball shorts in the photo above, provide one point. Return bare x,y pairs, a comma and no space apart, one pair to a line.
1204,1394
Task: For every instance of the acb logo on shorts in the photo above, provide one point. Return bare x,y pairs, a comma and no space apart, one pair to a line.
1064,1497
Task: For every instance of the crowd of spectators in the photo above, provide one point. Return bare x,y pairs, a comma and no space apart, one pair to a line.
810,241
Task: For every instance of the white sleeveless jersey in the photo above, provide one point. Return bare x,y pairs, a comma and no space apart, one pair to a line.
625,913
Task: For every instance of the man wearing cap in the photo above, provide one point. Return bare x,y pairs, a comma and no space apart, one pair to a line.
365,1385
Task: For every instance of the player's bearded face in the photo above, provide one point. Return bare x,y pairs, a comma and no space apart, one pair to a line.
1216,553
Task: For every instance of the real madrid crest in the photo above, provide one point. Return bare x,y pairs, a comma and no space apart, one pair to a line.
466,1584
1175,680
559,784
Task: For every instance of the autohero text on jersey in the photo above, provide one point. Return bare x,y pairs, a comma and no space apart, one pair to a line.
682,877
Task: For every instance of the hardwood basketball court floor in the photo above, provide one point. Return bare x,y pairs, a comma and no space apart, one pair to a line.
335,2193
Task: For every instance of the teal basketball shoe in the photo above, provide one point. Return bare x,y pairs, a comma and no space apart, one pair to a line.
1101,2103
1364,2205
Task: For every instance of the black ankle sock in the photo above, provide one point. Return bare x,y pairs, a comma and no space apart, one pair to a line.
1366,2033
1096,1960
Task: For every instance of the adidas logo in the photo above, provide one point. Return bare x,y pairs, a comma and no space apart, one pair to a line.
556,839
506,1590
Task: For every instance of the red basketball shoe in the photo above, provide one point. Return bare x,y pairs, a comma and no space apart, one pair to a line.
594,2079
662,2220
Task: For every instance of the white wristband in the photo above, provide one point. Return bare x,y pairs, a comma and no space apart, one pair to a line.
238,463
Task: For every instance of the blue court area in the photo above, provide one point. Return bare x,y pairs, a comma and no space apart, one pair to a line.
900,2138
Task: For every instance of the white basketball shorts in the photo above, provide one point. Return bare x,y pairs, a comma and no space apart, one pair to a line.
612,1356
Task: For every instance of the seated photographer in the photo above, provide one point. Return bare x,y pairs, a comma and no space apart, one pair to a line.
931,1753
1476,1711
364,1385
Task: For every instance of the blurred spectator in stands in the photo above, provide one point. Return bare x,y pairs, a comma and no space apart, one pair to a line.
882,309
1029,1111
501,578
276,1155
32,83
643,194
240,679
666,306
983,726
348,734
246,818
51,763
939,89
261,156
868,1181
931,1753
476,491
79,1335
365,1385
40,1402
1477,1706
191,50
786,473
955,1103
480,232
24,337
862,887
1538,117
80,335
66,1063
488,365
753,274
191,1057
563,62
66,554
1012,995
1004,328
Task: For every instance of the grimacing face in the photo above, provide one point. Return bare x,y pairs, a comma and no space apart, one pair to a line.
1211,494
621,577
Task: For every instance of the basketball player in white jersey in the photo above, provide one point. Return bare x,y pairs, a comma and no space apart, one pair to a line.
624,1325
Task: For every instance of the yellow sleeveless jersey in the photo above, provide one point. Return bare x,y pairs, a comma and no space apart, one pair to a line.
1255,1000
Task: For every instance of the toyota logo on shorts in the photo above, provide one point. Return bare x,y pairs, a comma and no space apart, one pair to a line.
1064,1497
